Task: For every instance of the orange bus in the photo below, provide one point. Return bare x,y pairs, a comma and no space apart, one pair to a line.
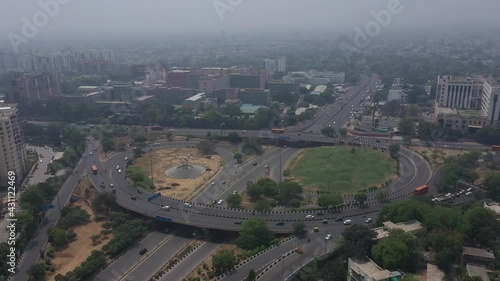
94,169
495,147
278,130
421,189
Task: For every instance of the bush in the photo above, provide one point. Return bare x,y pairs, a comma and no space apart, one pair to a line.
73,216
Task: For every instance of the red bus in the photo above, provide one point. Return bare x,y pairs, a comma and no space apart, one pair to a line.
94,169
421,189
278,130
156,128
495,147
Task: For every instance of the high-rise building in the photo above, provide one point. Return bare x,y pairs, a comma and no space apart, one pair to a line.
210,83
275,65
283,86
248,78
459,92
490,103
138,71
36,87
178,78
12,147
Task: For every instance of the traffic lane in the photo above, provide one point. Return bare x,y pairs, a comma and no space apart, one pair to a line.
181,270
120,267
156,260
40,173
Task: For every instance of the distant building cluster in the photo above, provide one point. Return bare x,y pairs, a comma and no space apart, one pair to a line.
315,77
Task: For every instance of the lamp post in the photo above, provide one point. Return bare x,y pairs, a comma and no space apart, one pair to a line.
151,165
281,172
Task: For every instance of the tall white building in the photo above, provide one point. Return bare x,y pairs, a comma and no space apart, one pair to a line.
274,65
490,103
460,92
12,146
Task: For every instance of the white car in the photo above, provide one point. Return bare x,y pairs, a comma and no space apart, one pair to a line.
468,193
111,185
188,205
41,160
309,217
328,237
117,167
220,202
369,220
91,153
119,170
126,158
347,222
213,183
166,208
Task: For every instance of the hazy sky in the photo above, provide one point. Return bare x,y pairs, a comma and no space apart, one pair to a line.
149,17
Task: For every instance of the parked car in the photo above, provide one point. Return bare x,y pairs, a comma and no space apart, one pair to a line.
369,220
188,205
347,222
316,229
328,237
166,208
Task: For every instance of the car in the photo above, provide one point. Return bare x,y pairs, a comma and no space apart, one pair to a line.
339,219
41,160
139,191
224,182
469,189
369,220
111,185
319,214
309,217
328,237
468,193
347,222
316,229
266,166
143,251
238,222
196,232
255,163
280,223
166,208
119,170
133,198
188,205
235,192
91,153
126,158
245,131
117,167
220,202
462,191
325,221
213,183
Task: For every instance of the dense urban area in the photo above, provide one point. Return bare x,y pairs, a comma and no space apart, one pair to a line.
271,156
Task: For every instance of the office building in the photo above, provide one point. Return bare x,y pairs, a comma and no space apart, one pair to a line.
12,146
367,270
255,96
325,77
210,83
296,77
8,61
138,71
26,89
459,92
178,78
245,78
173,96
92,67
283,86
274,65
490,102
411,227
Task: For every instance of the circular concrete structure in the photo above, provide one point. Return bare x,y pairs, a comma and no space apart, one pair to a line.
185,171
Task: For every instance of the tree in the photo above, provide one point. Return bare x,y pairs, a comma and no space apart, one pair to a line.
104,202
254,234
343,132
492,185
262,205
358,241
488,135
360,197
255,191
73,216
231,110
382,195
234,201
58,237
32,200
392,108
401,211
481,225
330,200
299,228
448,246
270,187
406,126
239,157
407,140
449,218
140,139
412,110
234,138
328,131
251,275
397,250
223,260
206,147
37,271
394,148
108,144
289,191
414,93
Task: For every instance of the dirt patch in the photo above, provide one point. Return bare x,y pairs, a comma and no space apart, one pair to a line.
436,156
167,158
78,250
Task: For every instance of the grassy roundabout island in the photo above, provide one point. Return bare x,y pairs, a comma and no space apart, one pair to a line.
344,169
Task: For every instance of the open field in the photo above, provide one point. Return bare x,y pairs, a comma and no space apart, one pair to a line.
166,158
337,169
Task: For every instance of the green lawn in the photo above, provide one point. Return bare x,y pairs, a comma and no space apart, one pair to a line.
336,169
138,170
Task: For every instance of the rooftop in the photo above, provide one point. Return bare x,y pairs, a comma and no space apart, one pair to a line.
320,88
196,97
479,271
494,206
469,113
409,226
143,98
371,269
250,108
478,252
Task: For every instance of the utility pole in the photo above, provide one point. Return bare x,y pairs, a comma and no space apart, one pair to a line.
281,172
151,165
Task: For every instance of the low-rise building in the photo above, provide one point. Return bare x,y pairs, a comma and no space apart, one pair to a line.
477,271
464,120
250,108
409,226
367,270
194,102
478,256
494,206
255,96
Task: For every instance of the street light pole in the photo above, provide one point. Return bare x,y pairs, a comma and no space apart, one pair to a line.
281,172
151,165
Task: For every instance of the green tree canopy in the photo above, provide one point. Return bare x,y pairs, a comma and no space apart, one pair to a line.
223,260
396,251
358,241
234,201
330,200
255,233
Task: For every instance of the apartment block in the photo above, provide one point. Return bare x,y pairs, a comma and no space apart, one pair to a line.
12,146
367,270
255,96
274,65
36,87
245,78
